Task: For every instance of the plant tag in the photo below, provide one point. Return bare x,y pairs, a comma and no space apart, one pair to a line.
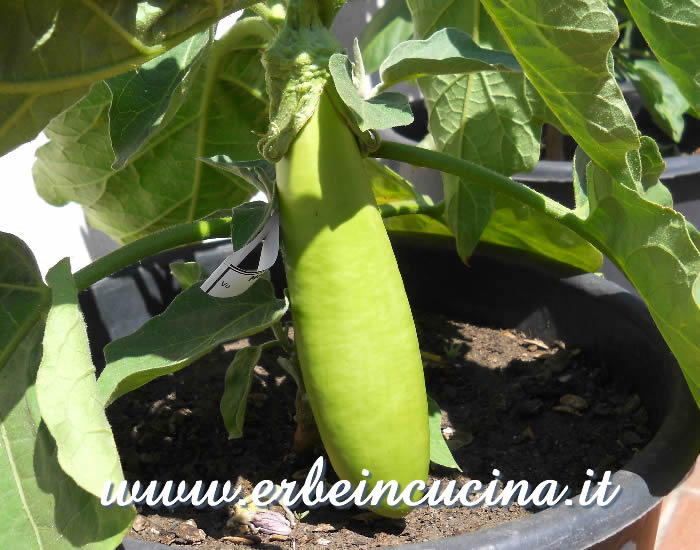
229,280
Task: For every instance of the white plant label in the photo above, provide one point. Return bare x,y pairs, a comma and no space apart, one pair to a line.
229,280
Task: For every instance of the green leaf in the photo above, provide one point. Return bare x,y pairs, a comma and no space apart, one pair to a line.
468,209
389,26
258,173
187,273
164,184
661,96
193,325
439,451
41,506
491,118
653,245
565,51
387,185
672,30
145,99
652,167
239,377
511,224
247,221
48,68
382,111
66,389
447,51
517,226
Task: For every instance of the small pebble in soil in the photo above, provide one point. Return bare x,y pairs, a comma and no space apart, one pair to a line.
574,401
140,523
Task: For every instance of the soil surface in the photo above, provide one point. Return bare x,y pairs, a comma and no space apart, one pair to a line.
508,401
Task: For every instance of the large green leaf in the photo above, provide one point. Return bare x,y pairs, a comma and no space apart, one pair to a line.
389,26
653,245
143,100
239,377
624,209
448,51
66,389
53,50
41,507
164,183
672,30
512,224
564,48
492,118
661,96
193,325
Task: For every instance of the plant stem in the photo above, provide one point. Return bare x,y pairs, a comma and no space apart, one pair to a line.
242,29
282,336
494,181
172,237
403,208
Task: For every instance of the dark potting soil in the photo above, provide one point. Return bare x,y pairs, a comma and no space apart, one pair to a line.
508,401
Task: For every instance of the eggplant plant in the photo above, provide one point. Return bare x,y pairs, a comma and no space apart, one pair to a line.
163,131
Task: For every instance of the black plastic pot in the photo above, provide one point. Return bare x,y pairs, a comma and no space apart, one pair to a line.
584,310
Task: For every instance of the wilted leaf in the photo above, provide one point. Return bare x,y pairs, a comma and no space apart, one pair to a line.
193,325
383,111
239,377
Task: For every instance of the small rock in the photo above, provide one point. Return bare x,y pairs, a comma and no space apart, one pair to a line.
154,531
527,433
323,528
140,523
250,540
323,542
178,418
189,532
601,409
631,404
536,342
566,409
574,401
278,538
532,347
564,378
